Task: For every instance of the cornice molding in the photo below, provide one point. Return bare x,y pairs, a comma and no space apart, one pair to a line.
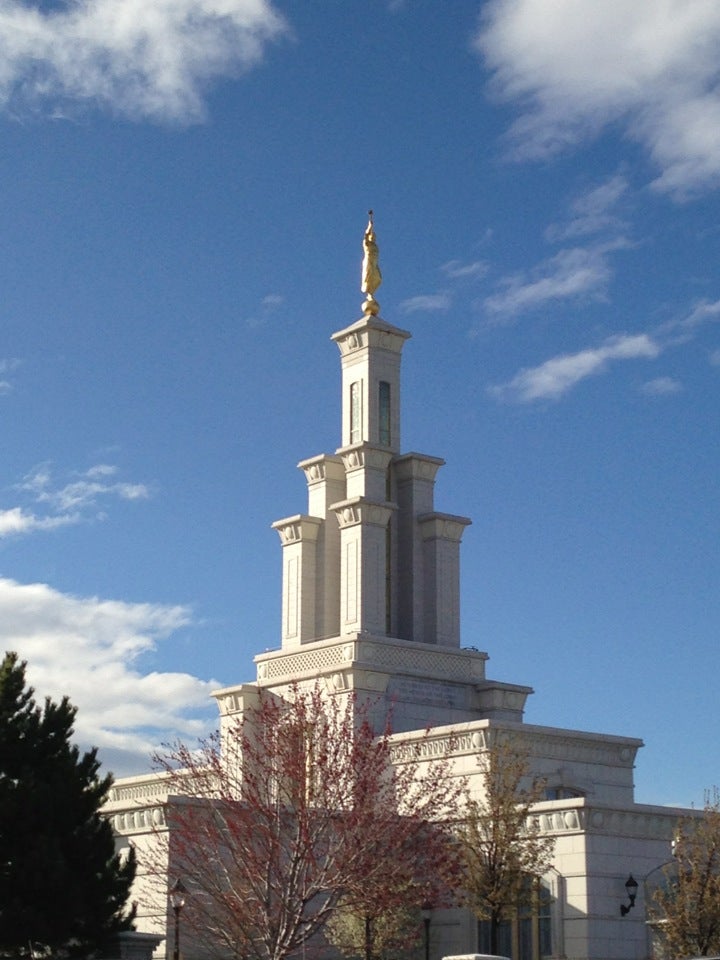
322,468
443,526
546,743
359,510
417,466
560,817
297,528
362,456
370,332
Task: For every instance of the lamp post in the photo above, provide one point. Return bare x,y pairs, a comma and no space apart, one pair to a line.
631,888
426,915
177,901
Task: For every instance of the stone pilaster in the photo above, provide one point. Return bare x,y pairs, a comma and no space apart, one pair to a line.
325,477
442,533
415,482
299,538
364,568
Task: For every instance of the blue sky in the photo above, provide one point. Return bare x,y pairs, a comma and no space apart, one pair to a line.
184,190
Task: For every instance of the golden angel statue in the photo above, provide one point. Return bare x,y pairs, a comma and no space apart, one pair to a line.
371,276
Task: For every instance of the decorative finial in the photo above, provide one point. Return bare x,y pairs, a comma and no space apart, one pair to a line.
371,276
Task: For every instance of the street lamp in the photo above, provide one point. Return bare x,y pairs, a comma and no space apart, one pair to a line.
426,915
177,901
631,888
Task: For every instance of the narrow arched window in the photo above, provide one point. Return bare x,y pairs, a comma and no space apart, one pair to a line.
384,413
355,412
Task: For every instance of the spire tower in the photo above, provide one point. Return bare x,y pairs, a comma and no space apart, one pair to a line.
371,555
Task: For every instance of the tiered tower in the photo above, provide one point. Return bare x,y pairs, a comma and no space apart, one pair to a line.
371,573
370,607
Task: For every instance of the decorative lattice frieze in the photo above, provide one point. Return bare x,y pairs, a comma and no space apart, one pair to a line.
309,661
391,656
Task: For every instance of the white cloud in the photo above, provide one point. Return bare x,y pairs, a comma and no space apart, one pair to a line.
101,470
59,505
593,212
555,377
661,387
16,521
703,312
7,365
142,59
575,66
551,379
426,303
88,649
265,310
272,300
571,273
457,270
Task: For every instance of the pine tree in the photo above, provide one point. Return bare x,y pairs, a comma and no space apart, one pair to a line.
62,885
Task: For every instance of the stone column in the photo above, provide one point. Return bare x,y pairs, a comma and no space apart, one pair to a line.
325,477
415,483
299,536
364,571
442,533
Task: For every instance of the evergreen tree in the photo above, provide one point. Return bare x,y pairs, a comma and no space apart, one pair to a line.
62,885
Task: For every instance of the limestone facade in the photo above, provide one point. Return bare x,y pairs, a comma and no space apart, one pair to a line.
371,605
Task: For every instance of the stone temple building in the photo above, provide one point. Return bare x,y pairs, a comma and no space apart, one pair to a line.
371,605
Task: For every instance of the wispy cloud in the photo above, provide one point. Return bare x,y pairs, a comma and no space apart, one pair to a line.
7,366
92,650
143,60
577,272
273,300
704,312
428,303
553,378
51,504
575,66
595,211
661,387
268,306
458,270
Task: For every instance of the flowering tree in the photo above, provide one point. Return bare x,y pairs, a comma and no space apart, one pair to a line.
401,863
503,849
393,934
297,809
688,903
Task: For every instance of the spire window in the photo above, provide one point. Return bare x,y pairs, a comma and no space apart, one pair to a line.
384,413
355,412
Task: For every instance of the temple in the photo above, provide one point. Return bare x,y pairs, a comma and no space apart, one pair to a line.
371,607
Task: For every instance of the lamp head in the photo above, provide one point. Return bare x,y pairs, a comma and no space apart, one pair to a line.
177,895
